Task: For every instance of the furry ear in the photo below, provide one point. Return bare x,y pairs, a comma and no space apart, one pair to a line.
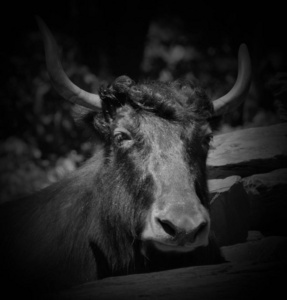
194,97
110,109
214,122
114,96
94,122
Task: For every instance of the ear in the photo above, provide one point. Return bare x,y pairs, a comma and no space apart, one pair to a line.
110,110
115,96
93,122
214,122
195,98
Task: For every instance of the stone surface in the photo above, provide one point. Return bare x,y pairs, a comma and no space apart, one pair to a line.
249,151
262,206
266,249
268,201
229,211
216,186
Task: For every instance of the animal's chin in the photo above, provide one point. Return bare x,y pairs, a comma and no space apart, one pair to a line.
170,247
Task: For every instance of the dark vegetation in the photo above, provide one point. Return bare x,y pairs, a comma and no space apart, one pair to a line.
40,141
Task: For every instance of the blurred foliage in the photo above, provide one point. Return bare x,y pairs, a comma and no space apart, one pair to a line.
23,171
40,141
171,53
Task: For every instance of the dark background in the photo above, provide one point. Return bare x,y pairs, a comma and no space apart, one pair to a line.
101,40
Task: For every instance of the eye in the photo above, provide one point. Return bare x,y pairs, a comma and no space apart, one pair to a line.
207,139
206,135
122,139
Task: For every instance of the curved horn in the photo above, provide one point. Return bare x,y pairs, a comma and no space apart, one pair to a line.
237,94
65,87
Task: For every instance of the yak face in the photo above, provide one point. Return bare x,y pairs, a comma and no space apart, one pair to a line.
156,138
177,219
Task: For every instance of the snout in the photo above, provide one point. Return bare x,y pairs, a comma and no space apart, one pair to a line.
184,231
179,228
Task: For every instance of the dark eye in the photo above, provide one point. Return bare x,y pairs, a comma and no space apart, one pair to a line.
122,139
207,139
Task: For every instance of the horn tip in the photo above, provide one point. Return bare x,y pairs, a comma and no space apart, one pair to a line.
41,24
243,49
243,55
39,20
243,45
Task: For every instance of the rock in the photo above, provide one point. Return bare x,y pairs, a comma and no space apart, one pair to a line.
229,211
248,151
257,183
216,186
266,249
268,202
254,236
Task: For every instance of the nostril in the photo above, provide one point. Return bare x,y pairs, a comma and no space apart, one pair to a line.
183,233
201,227
194,233
168,227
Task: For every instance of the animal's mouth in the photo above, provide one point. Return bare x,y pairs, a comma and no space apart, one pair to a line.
169,246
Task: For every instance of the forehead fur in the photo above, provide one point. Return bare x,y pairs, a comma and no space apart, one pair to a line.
178,100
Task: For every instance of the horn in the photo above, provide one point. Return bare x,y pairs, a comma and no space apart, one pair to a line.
239,91
65,87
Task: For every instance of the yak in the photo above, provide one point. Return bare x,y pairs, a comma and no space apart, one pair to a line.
140,203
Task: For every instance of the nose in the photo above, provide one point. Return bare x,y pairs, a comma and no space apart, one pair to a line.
183,230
